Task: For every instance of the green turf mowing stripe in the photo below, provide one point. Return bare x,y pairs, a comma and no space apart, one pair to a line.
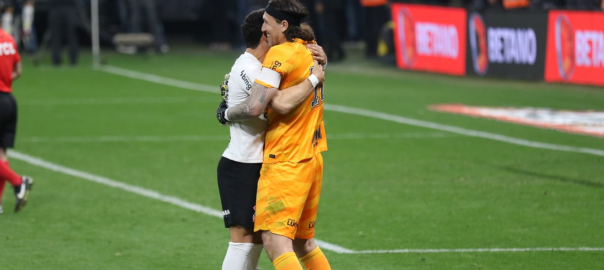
368,113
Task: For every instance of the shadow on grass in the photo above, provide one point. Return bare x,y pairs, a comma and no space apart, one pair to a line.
554,177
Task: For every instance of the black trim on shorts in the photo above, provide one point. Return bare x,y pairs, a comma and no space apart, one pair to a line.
8,120
238,184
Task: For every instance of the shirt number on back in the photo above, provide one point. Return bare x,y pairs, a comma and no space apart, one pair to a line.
318,90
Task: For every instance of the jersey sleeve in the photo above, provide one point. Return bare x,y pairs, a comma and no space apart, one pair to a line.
276,65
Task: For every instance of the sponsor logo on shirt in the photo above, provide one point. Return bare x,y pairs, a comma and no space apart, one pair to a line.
246,80
292,223
275,65
7,48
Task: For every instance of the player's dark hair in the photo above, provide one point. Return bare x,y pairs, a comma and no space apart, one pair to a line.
295,9
252,28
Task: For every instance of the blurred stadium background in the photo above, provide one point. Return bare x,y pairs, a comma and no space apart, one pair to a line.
462,135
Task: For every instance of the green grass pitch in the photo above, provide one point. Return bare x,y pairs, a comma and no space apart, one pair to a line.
386,186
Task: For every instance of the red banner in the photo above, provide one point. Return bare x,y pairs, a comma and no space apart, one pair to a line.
575,47
430,38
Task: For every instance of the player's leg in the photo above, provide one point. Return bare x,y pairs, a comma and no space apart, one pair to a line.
8,125
237,183
6,172
304,245
8,129
281,251
2,185
282,193
244,249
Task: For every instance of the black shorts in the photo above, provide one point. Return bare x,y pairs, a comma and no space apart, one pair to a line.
8,120
238,184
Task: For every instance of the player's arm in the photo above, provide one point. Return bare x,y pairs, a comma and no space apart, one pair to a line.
17,70
254,105
289,99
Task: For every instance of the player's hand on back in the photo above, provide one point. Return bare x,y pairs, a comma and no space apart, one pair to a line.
318,53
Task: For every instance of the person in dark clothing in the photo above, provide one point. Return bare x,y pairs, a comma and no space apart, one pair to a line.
377,13
62,24
334,14
144,17
583,4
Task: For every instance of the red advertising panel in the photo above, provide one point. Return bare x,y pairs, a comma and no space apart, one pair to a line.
575,47
430,38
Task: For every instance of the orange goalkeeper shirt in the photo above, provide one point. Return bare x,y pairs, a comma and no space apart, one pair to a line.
300,134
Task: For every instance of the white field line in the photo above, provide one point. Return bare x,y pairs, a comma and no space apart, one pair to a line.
161,80
114,101
372,114
138,190
394,118
193,138
215,213
476,250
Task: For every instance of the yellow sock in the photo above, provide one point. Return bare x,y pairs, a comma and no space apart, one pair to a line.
287,261
315,260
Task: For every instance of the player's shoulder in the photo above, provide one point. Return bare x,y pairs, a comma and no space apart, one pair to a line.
5,37
246,59
283,50
246,62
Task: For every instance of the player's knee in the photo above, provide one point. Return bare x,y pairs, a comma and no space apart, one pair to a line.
258,238
270,245
241,234
275,244
3,155
304,246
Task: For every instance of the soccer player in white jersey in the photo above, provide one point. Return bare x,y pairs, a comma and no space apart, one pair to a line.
239,167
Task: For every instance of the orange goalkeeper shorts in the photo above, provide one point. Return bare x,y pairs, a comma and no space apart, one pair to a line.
288,198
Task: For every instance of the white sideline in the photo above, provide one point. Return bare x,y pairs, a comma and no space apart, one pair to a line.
215,213
338,108
139,190
475,250
113,101
367,113
193,138
160,80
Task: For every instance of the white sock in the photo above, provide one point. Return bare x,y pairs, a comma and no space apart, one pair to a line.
241,256
255,255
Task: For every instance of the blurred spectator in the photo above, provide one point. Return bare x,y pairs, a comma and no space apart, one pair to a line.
544,4
354,17
584,4
314,19
137,16
219,17
62,24
334,17
7,19
516,4
376,15
29,32
486,4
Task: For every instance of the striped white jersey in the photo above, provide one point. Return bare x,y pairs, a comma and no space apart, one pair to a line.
247,136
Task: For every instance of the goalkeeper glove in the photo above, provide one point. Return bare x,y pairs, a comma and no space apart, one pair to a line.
221,113
224,87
